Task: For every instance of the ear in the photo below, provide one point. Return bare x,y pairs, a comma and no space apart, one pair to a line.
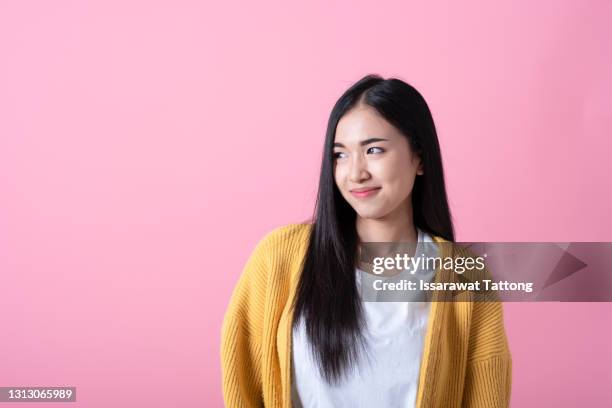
419,171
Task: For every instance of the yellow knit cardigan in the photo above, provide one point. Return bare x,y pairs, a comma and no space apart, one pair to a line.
466,359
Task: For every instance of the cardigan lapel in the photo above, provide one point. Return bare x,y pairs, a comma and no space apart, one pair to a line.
445,350
430,348
285,327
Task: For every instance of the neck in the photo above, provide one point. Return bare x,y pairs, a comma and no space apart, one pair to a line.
398,226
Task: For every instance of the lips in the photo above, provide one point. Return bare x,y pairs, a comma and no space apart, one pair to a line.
365,192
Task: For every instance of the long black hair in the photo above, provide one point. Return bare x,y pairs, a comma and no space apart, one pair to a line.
327,297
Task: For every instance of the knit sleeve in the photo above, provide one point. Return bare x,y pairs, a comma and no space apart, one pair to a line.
489,366
241,337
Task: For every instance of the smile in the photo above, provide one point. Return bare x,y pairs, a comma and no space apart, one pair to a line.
365,193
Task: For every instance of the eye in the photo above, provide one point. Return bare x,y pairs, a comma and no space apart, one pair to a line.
339,155
376,150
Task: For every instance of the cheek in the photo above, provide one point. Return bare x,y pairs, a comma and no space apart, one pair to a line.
398,174
338,176
391,170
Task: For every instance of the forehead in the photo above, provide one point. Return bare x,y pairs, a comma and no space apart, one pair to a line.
364,122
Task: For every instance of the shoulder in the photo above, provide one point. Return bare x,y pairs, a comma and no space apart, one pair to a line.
282,247
277,252
286,237
436,238
453,249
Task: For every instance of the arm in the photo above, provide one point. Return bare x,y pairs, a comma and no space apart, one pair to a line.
489,366
241,338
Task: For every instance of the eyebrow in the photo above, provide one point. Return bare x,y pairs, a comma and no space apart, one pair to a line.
364,142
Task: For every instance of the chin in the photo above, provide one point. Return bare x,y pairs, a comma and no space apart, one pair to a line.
370,214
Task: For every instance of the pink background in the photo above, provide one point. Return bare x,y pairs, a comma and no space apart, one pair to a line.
145,147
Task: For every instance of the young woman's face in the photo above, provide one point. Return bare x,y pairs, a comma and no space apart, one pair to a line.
374,167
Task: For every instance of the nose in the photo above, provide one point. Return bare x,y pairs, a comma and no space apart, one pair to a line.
359,169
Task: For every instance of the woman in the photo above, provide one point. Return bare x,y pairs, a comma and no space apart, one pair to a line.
297,332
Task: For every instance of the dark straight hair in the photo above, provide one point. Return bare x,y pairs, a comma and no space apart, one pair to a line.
327,297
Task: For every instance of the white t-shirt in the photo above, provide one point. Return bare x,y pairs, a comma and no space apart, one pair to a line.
387,375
